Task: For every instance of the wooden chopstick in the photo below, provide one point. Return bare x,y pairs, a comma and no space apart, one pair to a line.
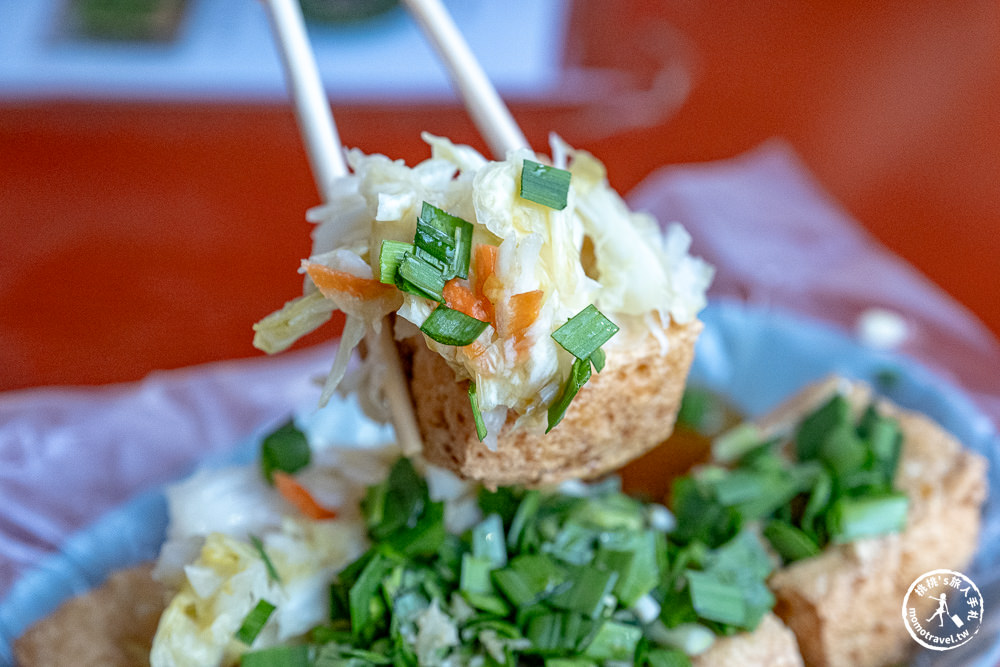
326,158
490,115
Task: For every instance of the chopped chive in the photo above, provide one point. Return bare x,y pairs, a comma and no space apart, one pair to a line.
545,185
814,428
791,543
598,359
419,277
662,657
489,541
447,238
733,444
614,641
285,449
715,599
278,656
578,377
867,516
584,333
452,327
389,257
272,572
529,578
477,415
588,591
254,622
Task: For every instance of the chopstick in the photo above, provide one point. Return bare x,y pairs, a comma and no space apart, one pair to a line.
490,115
326,159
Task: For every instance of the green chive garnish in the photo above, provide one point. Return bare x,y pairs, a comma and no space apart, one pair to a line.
272,572
477,415
278,656
791,543
390,255
578,377
285,449
584,333
544,185
445,239
254,622
852,519
419,277
452,327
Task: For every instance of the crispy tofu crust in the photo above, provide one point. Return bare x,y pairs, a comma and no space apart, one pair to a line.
622,412
112,625
844,604
771,644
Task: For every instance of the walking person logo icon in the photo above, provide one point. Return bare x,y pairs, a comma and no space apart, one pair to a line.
951,599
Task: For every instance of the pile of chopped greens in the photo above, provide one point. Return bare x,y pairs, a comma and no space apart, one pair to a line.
831,481
546,578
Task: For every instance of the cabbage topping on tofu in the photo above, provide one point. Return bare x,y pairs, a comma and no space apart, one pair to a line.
459,233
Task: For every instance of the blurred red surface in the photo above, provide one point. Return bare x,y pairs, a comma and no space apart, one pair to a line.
146,236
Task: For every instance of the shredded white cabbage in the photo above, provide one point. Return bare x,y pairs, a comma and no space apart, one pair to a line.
594,251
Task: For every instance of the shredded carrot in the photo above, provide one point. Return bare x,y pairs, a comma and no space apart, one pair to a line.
459,297
521,312
342,281
484,278
299,496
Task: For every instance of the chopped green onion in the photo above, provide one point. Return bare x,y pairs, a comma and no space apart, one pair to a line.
587,592
446,238
733,444
578,377
715,599
489,541
271,571
477,415
254,622
598,359
842,450
557,632
662,657
834,414
791,543
278,656
529,578
452,327
366,604
545,185
851,519
584,333
419,277
285,449
389,257
614,641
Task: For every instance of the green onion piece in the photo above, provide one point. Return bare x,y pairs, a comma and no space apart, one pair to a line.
715,599
447,238
419,277
488,541
791,543
587,592
254,622
814,428
278,656
569,662
285,449
557,632
842,450
662,657
423,539
598,359
733,444
819,501
641,574
544,185
366,604
452,327
529,578
477,415
614,641
397,502
578,377
867,516
518,535
271,571
389,257
584,333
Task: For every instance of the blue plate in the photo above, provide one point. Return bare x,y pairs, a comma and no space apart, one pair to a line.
755,358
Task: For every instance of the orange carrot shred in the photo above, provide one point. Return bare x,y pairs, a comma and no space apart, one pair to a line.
459,297
521,313
484,278
342,281
299,496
